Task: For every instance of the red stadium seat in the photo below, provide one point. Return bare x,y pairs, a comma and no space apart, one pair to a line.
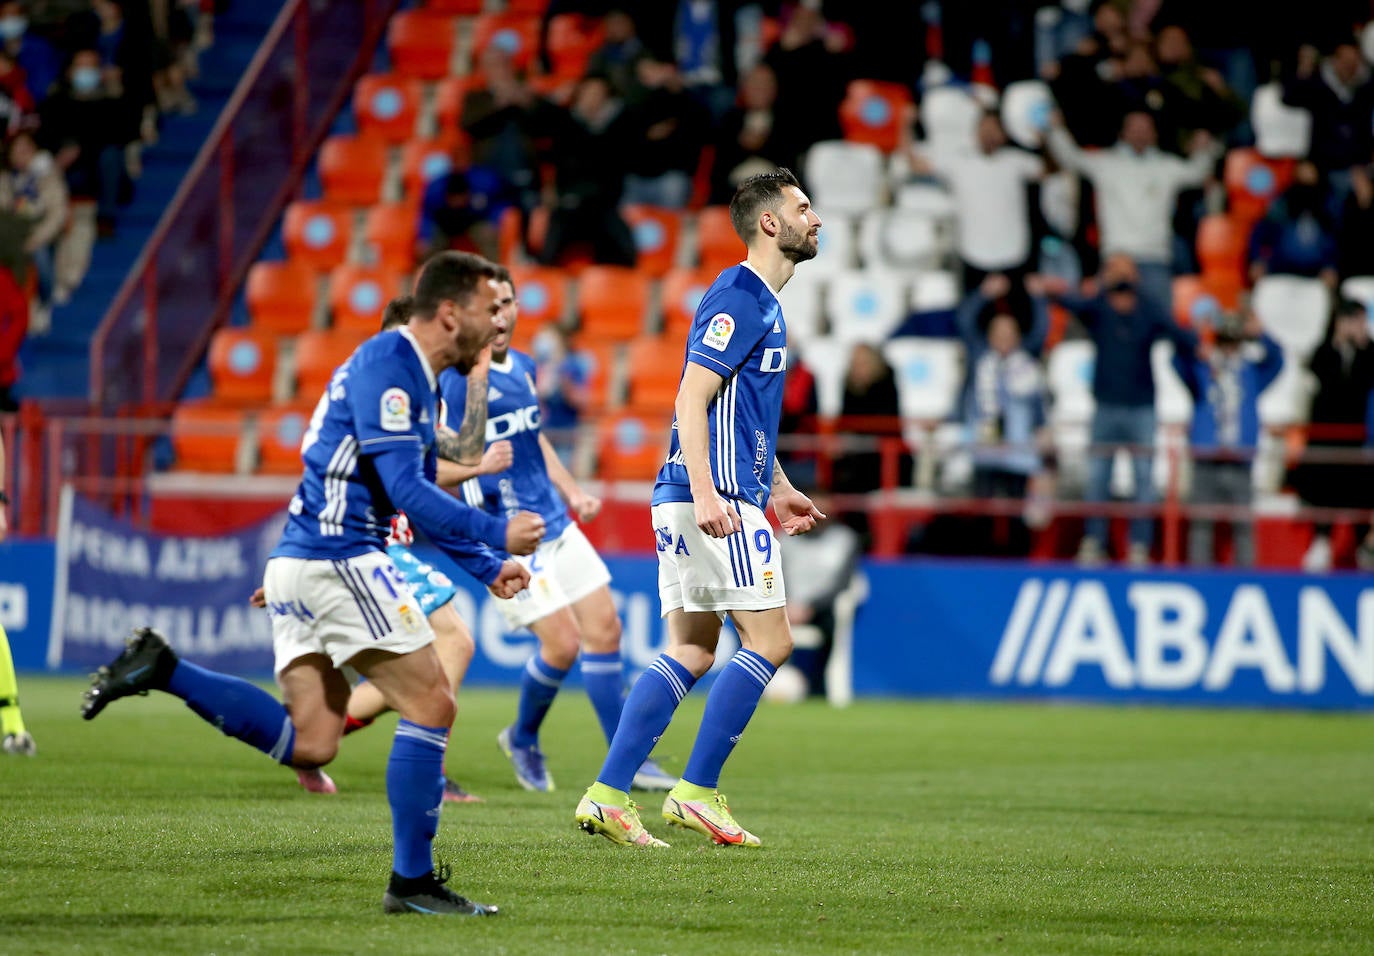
682,291
318,354
421,43
1221,244
358,295
462,8
655,364
1194,304
872,112
542,292
529,8
352,168
1253,182
205,438
389,235
656,233
718,246
448,100
317,233
386,105
571,40
611,302
242,364
425,160
517,34
280,431
281,296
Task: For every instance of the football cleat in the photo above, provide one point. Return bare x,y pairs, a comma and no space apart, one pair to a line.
651,776
20,744
618,824
454,793
428,895
528,763
316,780
145,664
710,817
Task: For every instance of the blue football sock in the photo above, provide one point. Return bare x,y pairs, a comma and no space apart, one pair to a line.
238,708
538,687
648,709
731,703
415,789
604,677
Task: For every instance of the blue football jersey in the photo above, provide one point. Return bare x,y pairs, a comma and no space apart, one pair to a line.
738,333
513,415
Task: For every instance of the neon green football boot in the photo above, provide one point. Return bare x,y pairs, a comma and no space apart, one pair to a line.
705,811
616,822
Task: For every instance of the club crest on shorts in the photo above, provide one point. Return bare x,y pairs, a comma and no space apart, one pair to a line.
768,583
410,618
719,330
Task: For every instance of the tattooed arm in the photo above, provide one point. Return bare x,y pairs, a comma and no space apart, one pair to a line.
460,452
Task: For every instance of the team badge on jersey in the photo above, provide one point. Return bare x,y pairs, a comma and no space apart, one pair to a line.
395,410
719,331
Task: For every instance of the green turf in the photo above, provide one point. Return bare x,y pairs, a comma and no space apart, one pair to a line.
888,828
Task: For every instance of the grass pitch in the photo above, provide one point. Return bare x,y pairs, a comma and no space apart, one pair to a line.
888,828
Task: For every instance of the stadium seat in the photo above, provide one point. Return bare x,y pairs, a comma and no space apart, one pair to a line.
530,8
656,233
828,360
358,295
242,364
1294,310
600,360
389,235
461,8
803,306
655,366
873,111
1194,304
317,234
280,431
205,438
510,234
425,160
448,101
926,198
386,105
837,249
318,353
930,375
421,43
1253,182
843,177
633,447
866,305
1025,111
281,296
1069,375
1221,244
935,291
718,245
1281,131
949,115
352,169
682,291
570,42
542,292
611,302
1288,399
1360,289
899,239
517,34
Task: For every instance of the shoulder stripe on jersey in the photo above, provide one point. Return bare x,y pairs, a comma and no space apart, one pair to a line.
336,475
371,614
390,438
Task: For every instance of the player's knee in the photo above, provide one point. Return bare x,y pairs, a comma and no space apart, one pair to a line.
561,647
698,660
602,634
435,708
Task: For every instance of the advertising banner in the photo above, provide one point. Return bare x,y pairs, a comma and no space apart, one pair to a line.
26,575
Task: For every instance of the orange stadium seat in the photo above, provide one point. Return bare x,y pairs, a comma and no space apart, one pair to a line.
205,437
656,233
386,105
600,360
242,363
655,364
611,302
542,292
280,431
872,112
1221,244
317,233
530,8
389,234
358,295
515,33
425,160
570,43
352,168
281,296
632,447
510,234
318,354
682,291
448,100
1194,304
461,8
421,43
1253,182
718,246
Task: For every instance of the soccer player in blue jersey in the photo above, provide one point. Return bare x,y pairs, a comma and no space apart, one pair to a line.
716,552
334,596
568,604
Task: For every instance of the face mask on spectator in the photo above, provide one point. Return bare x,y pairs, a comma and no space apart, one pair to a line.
86,79
12,28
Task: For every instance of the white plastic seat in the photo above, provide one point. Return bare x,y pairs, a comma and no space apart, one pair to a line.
1026,108
803,306
865,305
935,291
950,117
828,360
901,239
1070,378
929,374
1360,289
843,177
1294,310
836,247
1289,397
1281,131
926,198
1173,401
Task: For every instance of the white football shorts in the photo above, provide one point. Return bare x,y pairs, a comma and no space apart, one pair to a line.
697,572
562,572
340,607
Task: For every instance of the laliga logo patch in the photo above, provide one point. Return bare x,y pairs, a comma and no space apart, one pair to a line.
718,331
768,582
395,410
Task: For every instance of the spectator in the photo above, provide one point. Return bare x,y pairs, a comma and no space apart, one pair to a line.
501,119
822,566
871,400
1339,95
618,57
1226,380
454,215
748,141
813,69
1124,325
1329,478
671,127
1198,94
16,104
589,147
800,406
561,379
1296,236
1354,250
14,325
704,48
34,55
82,126
1080,80
32,187
1137,188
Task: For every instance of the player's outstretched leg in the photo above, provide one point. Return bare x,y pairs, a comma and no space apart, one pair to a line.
16,739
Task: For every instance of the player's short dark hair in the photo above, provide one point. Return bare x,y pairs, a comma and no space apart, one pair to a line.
754,195
503,275
450,275
397,312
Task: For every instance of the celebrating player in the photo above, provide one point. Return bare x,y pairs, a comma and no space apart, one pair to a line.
568,604
716,552
14,738
334,595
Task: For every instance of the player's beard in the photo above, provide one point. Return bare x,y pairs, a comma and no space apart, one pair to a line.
796,245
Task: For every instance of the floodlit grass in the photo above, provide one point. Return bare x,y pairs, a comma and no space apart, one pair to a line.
888,828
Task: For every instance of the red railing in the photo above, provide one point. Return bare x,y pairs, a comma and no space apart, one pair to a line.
183,284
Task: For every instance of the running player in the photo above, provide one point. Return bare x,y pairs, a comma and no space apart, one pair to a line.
716,552
14,737
333,594
568,604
